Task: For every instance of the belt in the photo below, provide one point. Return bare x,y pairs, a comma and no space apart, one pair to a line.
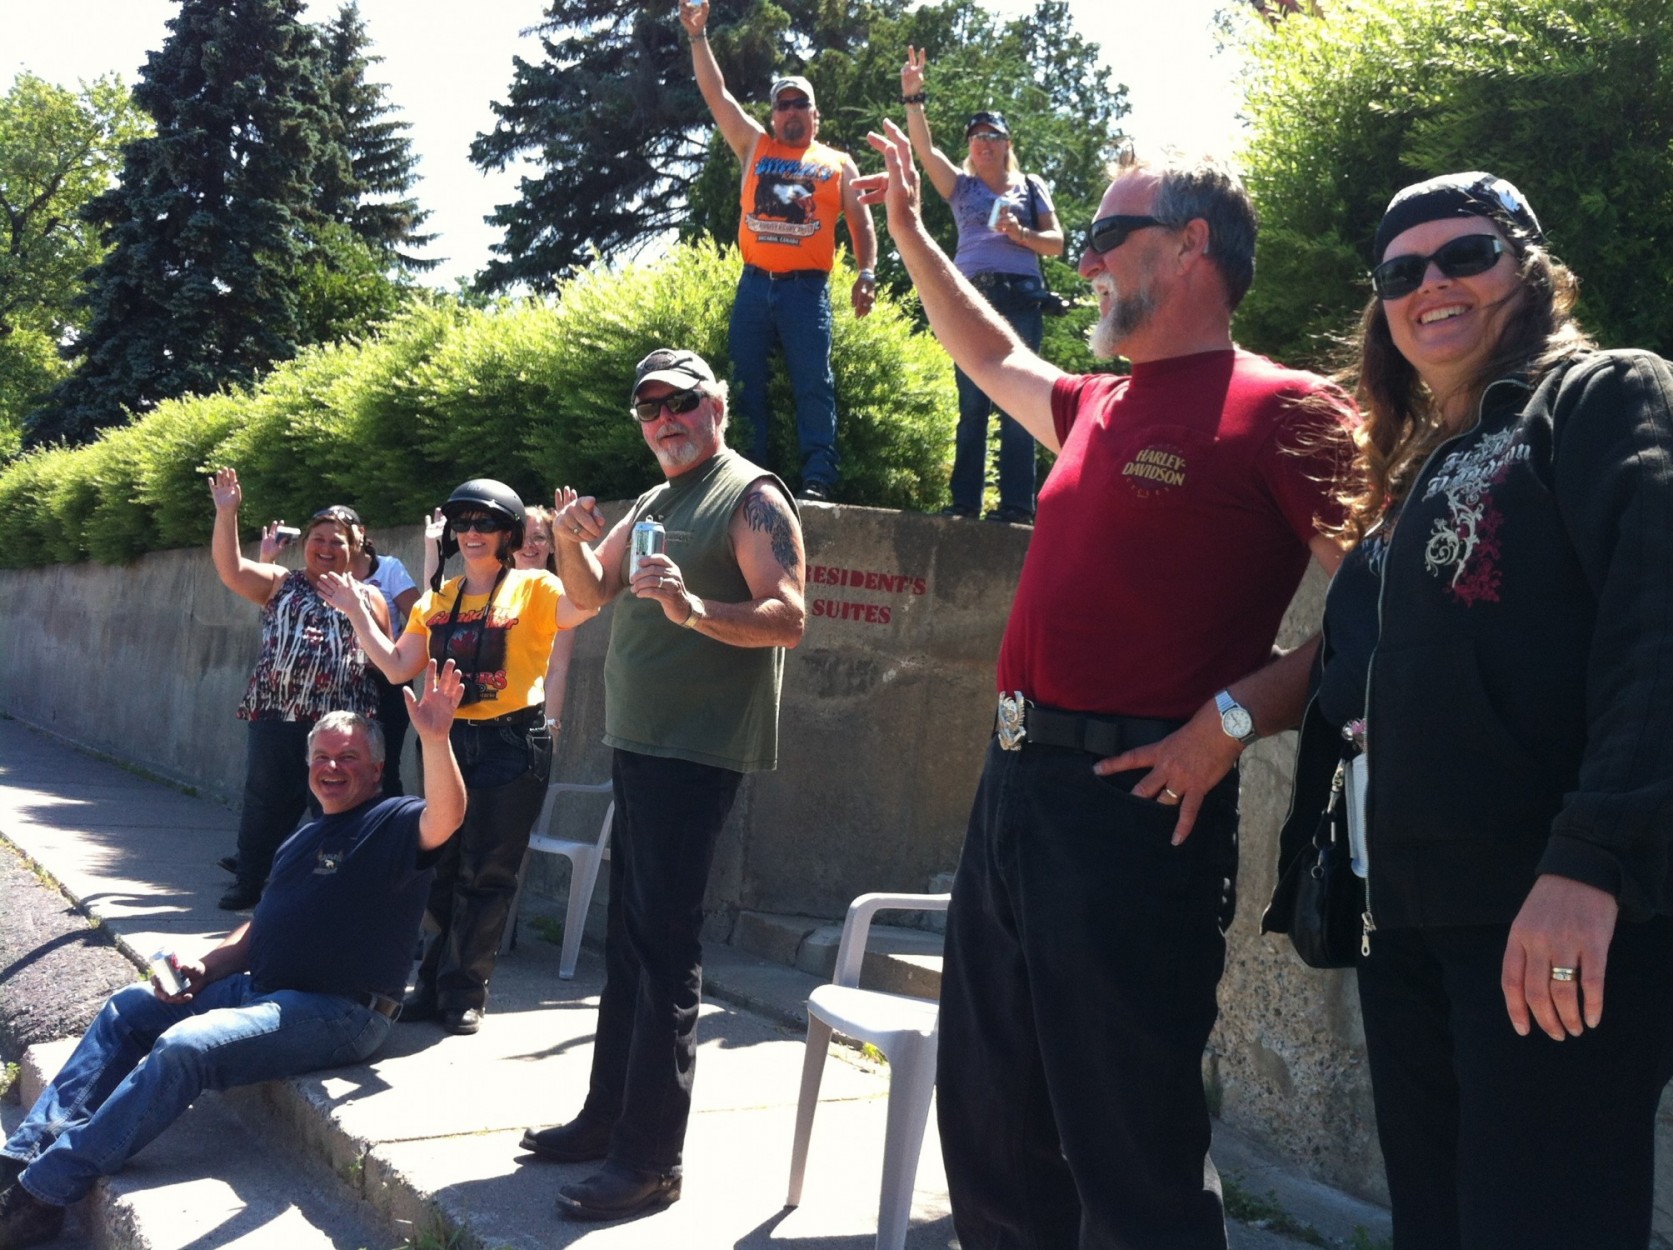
380,1003
787,274
1023,723
990,279
516,720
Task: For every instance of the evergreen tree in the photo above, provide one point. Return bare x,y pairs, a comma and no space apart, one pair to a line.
211,219
376,205
627,146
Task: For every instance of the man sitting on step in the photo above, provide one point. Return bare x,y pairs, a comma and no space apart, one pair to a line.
313,980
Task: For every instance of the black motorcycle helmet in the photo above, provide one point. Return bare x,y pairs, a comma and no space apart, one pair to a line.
482,494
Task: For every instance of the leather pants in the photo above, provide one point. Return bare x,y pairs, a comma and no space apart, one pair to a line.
506,764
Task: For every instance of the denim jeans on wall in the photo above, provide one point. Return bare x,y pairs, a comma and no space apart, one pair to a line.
1018,304
142,1061
795,311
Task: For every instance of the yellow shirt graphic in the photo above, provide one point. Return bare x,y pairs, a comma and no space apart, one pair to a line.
505,665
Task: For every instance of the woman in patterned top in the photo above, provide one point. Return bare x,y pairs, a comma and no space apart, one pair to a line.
310,664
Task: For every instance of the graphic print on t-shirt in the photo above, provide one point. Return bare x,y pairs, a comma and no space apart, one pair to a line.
1155,469
484,671
784,192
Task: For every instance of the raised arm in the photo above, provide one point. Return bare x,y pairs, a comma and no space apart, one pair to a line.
591,578
399,660
978,339
943,174
766,538
431,712
434,524
253,581
738,127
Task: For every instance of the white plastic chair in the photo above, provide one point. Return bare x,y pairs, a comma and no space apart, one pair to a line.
584,859
904,1029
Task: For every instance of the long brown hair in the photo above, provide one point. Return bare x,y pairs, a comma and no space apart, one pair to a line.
1401,420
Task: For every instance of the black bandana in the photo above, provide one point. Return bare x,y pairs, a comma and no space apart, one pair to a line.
1473,194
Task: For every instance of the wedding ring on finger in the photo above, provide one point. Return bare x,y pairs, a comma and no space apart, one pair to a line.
1563,974
1172,794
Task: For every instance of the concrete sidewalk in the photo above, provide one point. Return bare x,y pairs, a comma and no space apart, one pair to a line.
419,1146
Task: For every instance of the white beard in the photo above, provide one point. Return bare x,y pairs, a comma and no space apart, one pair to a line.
1128,313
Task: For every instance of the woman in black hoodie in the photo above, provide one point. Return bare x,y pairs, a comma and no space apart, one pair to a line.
1500,644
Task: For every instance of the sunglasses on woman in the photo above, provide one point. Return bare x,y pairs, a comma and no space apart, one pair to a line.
480,523
1109,233
1463,257
677,402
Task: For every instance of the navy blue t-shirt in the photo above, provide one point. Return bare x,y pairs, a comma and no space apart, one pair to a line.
343,904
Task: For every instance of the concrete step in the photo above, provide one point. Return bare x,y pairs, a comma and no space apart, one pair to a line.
899,959
213,1179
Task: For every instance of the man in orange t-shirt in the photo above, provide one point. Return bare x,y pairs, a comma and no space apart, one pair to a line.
794,189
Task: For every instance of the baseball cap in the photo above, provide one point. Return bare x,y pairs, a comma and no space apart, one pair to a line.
794,83
673,366
995,121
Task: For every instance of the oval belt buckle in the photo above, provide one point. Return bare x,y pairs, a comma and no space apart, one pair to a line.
1011,728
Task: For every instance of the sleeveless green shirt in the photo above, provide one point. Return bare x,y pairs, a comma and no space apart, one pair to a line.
671,691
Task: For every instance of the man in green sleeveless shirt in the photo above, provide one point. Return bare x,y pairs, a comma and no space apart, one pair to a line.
691,690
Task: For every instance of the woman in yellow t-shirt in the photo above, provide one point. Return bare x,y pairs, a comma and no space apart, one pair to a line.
497,623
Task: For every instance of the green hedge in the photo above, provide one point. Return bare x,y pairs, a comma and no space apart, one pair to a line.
530,392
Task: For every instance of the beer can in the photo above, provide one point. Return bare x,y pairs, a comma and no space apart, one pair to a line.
166,968
649,539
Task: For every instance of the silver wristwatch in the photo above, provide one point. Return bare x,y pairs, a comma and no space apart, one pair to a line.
1235,718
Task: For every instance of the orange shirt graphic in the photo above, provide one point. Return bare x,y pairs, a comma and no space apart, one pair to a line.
792,198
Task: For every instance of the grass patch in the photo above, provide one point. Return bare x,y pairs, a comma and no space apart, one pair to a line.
547,929
1248,1208
9,1072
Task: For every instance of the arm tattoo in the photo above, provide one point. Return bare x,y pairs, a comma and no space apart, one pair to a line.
763,512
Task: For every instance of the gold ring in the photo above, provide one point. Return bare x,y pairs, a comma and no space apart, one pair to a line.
1172,794
1563,974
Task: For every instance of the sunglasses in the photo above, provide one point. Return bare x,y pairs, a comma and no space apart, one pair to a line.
480,523
1109,233
677,402
784,106
1461,258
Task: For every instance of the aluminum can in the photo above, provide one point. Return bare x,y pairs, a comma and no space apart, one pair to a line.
649,539
165,967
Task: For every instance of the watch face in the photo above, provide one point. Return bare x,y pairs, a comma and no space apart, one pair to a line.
1237,722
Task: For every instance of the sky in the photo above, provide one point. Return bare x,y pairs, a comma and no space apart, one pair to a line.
445,60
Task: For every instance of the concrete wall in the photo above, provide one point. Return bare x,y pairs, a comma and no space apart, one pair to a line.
887,706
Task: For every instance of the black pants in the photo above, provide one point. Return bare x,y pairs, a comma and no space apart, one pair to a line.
1499,1142
275,793
1083,955
392,716
669,815
505,763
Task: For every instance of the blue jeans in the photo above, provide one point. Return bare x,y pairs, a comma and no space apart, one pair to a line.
1083,955
1018,304
796,312
142,1061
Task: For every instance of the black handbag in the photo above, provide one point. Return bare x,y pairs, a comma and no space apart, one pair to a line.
1328,899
